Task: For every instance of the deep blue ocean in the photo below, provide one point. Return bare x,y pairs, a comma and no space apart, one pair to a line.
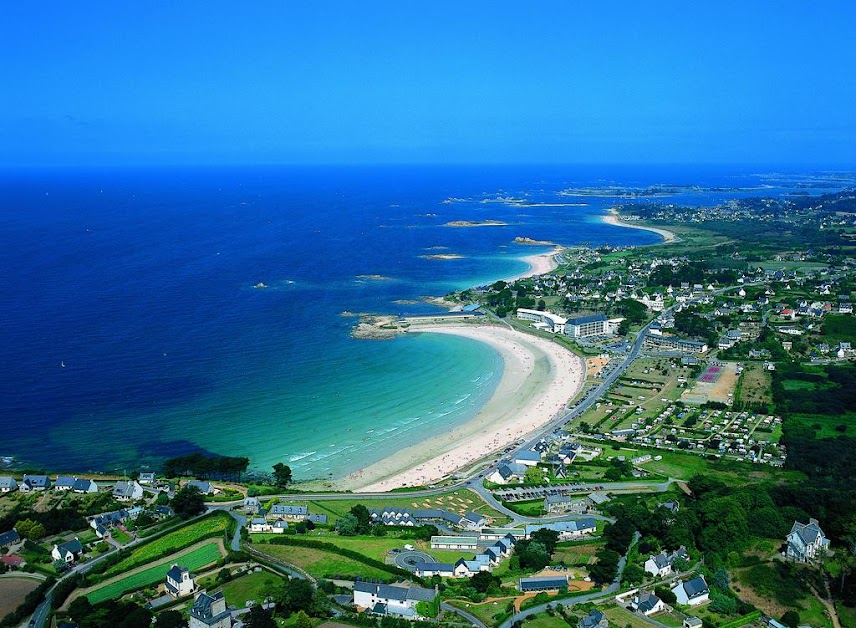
132,330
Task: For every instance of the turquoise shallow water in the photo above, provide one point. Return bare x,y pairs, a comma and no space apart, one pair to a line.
132,331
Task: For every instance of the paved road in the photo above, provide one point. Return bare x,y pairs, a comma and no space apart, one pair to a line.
475,621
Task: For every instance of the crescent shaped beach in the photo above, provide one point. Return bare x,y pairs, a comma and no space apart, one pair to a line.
538,380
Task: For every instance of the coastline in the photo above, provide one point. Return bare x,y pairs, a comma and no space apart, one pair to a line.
612,218
539,264
538,380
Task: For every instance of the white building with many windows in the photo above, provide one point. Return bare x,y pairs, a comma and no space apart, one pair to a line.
587,326
543,320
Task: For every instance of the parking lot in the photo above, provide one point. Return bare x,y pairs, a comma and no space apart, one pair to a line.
524,493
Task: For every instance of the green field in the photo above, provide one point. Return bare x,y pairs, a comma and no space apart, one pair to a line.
194,559
371,546
245,588
826,425
322,564
173,541
530,508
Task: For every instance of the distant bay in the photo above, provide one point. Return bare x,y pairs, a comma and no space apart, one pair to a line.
133,329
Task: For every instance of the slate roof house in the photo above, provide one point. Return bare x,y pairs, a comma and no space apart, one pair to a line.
288,511
204,487
386,599
179,582
84,486
209,611
8,484
67,552
126,491
34,483
660,565
692,592
507,473
595,619
64,483
805,541
8,538
647,603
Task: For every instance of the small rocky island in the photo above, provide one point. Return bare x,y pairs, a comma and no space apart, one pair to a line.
476,223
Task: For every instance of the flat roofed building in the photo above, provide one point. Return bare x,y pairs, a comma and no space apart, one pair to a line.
545,320
455,542
542,583
587,326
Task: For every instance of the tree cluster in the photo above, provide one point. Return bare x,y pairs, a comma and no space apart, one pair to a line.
206,467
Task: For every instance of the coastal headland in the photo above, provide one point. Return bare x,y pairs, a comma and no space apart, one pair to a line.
538,380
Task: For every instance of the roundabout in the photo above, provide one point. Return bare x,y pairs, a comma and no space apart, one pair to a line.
409,559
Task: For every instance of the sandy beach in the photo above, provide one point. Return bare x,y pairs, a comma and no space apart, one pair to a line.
613,219
540,264
538,380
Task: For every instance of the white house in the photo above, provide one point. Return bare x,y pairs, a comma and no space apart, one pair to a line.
8,484
660,565
386,599
806,541
289,512
147,477
507,473
67,552
179,582
260,524
34,483
647,603
64,483
692,592
566,529
426,570
84,486
126,491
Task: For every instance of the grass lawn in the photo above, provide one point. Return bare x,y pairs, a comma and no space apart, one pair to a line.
376,547
245,588
488,612
119,536
173,541
543,620
321,564
531,508
622,617
194,559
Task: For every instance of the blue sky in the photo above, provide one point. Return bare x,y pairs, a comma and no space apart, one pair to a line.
428,82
